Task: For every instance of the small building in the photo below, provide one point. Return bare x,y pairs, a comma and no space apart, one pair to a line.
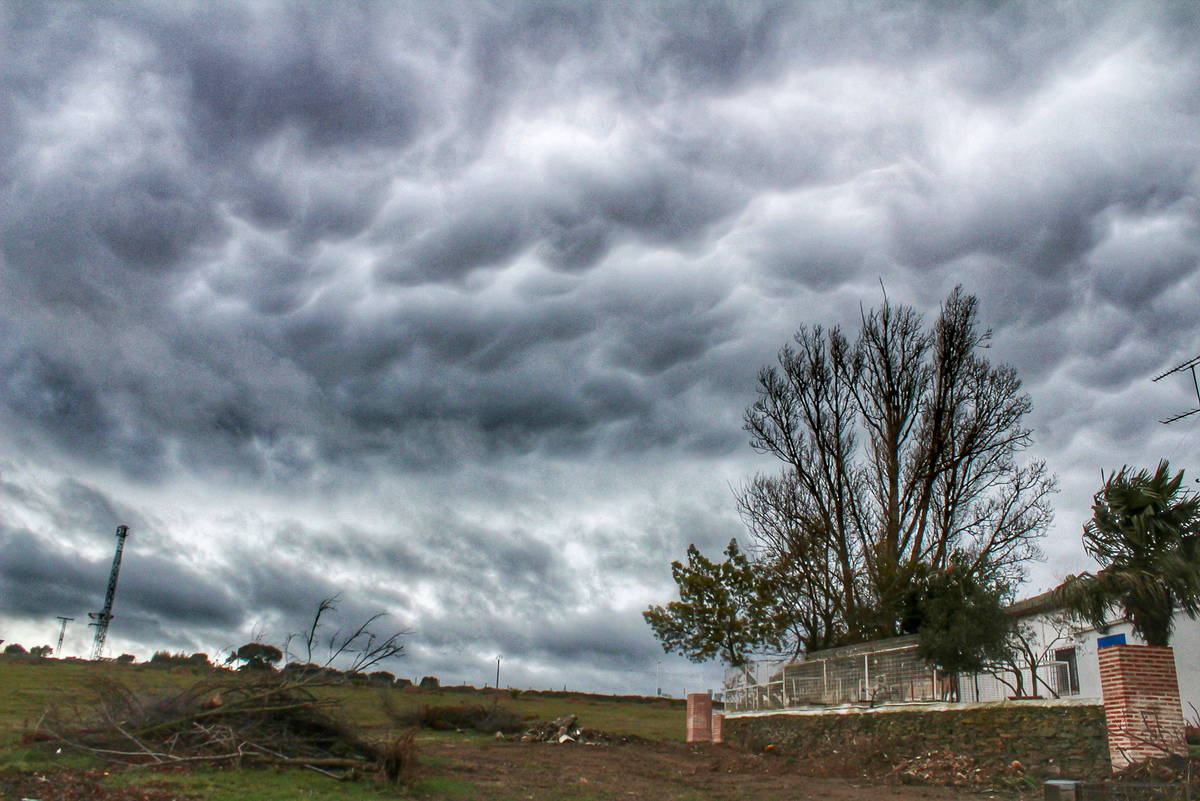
1055,658
1065,650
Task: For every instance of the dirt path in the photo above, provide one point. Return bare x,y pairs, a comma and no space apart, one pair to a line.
661,771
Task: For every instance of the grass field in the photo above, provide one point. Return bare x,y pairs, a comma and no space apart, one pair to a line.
452,765
29,688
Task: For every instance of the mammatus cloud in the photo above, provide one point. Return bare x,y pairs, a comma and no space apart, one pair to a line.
455,309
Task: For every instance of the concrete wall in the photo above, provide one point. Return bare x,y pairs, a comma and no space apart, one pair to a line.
1066,740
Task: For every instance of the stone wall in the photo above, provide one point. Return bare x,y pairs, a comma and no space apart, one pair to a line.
1053,741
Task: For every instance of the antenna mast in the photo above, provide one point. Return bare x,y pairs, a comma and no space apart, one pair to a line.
105,614
1188,365
62,633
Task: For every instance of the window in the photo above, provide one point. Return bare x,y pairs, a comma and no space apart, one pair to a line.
1070,666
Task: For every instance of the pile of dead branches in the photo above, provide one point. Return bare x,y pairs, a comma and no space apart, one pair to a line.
230,720
1183,771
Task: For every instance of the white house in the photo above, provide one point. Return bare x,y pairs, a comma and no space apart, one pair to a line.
1056,658
1065,652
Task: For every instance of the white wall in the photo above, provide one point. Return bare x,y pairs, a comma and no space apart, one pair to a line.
1185,640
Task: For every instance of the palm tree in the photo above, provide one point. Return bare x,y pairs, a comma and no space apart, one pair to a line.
1145,533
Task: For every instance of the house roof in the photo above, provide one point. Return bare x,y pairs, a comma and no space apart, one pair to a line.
1038,604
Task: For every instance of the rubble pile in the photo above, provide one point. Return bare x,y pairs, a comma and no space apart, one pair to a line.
1172,769
948,768
564,730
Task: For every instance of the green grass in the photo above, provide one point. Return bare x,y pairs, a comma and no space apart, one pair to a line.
30,687
442,787
258,785
658,719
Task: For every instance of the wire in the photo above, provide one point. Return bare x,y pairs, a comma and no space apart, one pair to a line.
1186,434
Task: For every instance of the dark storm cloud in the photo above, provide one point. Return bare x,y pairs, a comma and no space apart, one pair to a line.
217,99
41,579
298,248
175,593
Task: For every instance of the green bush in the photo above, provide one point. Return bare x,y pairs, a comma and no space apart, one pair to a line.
466,717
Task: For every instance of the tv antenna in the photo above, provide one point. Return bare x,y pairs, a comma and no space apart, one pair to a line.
105,615
62,633
1188,365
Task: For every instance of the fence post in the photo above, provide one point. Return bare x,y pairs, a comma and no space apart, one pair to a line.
1141,703
699,718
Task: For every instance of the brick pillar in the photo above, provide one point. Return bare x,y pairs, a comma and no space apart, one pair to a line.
718,728
699,718
1141,703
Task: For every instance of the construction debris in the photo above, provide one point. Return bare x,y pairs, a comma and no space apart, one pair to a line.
564,730
948,768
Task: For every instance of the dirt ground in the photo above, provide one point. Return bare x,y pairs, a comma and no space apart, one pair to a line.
660,771
472,767
76,785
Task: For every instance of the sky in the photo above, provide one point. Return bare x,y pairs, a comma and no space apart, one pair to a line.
453,310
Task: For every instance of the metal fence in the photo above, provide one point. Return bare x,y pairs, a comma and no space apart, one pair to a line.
1053,680
883,672
880,672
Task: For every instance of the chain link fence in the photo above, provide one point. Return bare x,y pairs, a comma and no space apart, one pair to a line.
883,672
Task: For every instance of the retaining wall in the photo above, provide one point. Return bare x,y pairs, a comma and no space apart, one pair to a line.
1050,740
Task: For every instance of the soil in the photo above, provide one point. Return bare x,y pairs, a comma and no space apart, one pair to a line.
661,771
473,767
77,785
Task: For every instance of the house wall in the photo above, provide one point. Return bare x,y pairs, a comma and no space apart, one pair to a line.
1185,641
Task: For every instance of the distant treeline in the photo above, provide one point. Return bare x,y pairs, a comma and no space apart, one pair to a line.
382,678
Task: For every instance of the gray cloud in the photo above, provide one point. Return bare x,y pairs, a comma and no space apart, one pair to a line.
473,252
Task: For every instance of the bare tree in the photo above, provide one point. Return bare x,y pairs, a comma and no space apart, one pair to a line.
1026,651
362,647
899,450
803,572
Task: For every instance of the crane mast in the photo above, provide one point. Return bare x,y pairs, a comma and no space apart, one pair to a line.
105,615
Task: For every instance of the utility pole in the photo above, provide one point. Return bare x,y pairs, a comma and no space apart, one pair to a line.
498,672
105,615
62,633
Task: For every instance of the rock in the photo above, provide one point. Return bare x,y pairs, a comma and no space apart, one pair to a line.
552,732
